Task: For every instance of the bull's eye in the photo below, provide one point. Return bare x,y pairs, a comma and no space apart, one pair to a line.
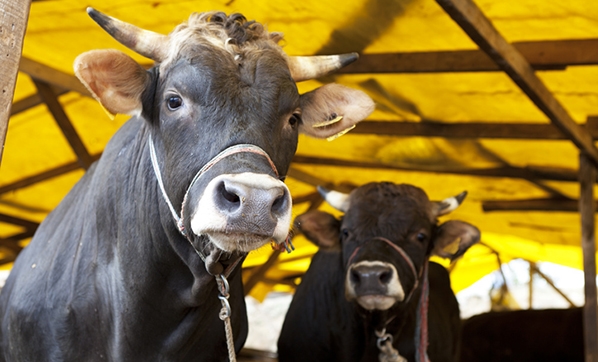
421,237
294,120
174,102
345,233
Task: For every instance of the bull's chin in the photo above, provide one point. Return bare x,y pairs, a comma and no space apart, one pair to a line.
231,242
376,302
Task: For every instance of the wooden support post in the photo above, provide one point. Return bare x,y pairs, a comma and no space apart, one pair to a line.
587,175
13,22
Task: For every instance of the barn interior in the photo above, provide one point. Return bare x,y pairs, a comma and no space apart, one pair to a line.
499,99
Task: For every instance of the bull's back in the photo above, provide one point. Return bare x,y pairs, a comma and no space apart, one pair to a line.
524,335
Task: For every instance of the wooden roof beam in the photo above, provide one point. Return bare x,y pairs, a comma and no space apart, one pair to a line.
545,204
527,131
316,181
46,175
527,173
541,55
27,224
471,19
12,242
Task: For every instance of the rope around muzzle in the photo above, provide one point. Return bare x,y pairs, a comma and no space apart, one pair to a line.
240,148
384,342
221,279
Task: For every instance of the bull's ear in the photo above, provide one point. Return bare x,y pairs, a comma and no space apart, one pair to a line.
332,110
114,79
320,228
453,238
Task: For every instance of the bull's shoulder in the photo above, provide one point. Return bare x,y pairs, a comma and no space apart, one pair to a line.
438,275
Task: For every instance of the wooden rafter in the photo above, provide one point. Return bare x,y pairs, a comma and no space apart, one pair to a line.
12,242
32,101
547,204
260,271
54,106
527,173
471,19
46,175
399,129
29,225
541,55
311,198
52,76
495,130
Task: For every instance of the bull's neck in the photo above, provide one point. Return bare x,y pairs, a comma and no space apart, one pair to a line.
147,230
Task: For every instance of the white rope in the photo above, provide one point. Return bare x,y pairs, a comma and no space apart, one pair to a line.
224,315
159,178
230,344
223,286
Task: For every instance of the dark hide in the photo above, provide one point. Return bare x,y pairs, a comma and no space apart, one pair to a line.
549,335
325,322
108,276
321,325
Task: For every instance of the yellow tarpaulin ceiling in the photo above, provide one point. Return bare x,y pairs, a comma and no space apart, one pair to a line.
58,31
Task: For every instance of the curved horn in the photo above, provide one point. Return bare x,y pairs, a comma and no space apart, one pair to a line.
336,199
305,68
147,43
449,204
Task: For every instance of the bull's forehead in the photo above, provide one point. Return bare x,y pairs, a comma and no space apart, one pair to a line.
214,29
389,206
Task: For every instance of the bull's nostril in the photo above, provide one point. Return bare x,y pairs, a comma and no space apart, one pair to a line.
227,195
355,278
385,277
279,204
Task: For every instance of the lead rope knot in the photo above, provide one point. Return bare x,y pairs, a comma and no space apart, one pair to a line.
387,352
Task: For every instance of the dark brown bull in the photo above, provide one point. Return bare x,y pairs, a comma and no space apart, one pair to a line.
365,294
535,335
126,267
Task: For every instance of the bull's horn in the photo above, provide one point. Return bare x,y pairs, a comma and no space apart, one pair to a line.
336,199
144,42
305,68
449,204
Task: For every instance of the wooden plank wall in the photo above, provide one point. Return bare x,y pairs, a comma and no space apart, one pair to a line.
13,22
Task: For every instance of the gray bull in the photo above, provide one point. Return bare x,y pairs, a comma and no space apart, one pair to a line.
124,268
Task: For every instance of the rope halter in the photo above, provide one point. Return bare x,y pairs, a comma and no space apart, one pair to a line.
241,148
221,281
384,340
